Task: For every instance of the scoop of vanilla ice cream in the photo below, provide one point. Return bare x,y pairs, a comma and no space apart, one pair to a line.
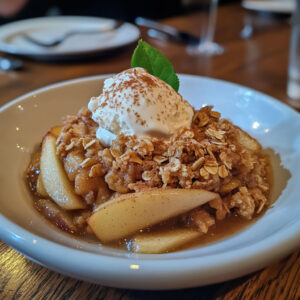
135,102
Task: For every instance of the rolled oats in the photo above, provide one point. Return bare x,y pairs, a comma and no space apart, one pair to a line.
211,170
218,134
87,162
210,161
115,152
135,158
207,156
225,160
198,163
204,173
263,187
86,143
160,159
70,146
223,171
200,119
187,134
214,114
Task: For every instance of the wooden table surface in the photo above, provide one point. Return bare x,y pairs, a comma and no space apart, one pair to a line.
259,62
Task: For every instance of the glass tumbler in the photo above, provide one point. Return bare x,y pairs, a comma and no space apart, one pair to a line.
207,46
293,84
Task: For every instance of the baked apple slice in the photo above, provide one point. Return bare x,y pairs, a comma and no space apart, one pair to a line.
128,213
247,141
55,179
40,188
162,242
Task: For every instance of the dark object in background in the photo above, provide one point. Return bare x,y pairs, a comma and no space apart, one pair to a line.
125,10
120,9
165,32
116,9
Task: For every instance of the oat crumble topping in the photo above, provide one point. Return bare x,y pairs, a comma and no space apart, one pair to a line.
208,156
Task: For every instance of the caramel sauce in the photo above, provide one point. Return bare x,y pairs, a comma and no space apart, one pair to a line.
33,171
231,225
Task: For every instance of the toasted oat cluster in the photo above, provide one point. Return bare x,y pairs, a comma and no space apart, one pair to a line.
213,155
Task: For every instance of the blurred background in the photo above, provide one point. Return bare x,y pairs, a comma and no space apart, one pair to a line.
243,41
12,10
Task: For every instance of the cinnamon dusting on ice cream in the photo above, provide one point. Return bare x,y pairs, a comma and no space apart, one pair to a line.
135,102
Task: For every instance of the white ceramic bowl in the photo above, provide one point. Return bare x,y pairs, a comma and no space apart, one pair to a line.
23,123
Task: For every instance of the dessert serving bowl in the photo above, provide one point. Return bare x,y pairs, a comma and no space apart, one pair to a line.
24,122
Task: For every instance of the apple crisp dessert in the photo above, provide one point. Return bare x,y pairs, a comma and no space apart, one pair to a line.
140,166
213,155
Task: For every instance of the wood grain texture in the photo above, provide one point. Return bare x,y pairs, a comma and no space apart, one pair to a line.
22,279
259,62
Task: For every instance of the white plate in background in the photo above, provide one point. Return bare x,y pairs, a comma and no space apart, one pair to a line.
24,122
274,6
75,46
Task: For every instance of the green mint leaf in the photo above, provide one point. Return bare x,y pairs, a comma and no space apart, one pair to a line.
147,57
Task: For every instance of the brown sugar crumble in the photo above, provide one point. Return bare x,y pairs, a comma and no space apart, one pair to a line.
211,155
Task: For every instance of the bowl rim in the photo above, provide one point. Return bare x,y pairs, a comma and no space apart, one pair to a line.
255,256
